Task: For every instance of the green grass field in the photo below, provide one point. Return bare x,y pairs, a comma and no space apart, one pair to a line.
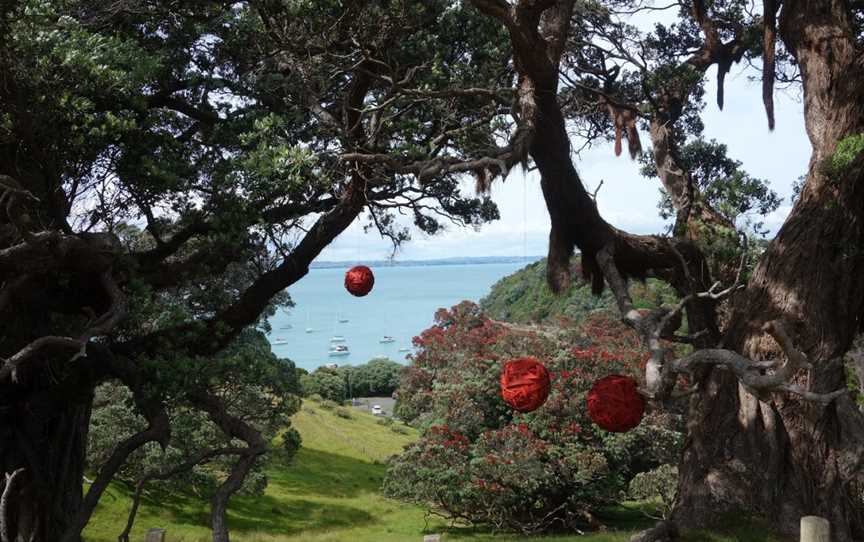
331,494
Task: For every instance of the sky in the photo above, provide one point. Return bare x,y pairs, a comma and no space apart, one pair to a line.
627,200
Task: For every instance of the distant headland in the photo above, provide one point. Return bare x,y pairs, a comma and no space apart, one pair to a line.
481,260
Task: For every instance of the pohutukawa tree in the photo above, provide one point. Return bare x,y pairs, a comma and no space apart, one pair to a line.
772,428
168,169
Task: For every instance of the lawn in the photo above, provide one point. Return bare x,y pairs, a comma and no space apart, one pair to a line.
330,494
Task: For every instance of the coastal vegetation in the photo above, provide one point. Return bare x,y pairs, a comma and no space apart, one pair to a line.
331,492
525,298
549,470
376,378
169,169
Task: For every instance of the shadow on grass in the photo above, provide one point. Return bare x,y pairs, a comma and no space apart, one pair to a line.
627,518
740,527
322,474
289,505
617,519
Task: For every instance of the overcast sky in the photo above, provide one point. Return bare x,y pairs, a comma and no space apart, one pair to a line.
627,200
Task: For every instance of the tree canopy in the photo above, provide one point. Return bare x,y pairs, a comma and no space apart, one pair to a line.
168,169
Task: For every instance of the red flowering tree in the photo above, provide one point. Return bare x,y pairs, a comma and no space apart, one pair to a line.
479,461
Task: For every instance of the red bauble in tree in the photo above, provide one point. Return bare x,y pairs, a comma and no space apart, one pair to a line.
614,403
359,280
525,384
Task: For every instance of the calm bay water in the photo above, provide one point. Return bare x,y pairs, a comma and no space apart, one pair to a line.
402,304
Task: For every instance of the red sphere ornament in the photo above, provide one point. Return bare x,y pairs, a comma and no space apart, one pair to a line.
525,384
614,403
359,280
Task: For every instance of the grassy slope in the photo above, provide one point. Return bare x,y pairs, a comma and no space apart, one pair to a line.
329,494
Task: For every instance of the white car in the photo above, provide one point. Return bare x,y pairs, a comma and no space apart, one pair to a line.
377,411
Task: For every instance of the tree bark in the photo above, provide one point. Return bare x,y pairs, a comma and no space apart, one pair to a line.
45,436
780,456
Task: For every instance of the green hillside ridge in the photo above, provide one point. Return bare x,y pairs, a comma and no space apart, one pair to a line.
525,298
331,493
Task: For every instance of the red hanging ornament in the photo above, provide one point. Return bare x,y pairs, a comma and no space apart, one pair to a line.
359,280
614,403
525,384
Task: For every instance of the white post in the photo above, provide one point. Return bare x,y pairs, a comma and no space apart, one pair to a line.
815,529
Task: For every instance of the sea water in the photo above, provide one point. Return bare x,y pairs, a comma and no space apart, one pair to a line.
401,305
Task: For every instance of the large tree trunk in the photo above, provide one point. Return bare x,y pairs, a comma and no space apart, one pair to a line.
43,439
779,456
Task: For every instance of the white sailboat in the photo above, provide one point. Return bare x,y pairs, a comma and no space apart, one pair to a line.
309,329
337,339
387,339
338,350
280,340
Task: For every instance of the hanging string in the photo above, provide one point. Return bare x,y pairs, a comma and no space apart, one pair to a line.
524,217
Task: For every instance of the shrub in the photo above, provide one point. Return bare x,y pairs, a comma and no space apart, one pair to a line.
291,442
386,421
344,413
479,461
378,378
315,398
660,483
399,429
325,382
329,405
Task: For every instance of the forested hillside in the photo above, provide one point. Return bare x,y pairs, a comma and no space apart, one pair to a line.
524,297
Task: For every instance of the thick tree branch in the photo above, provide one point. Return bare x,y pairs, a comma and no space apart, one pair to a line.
165,249
5,499
74,347
498,9
613,255
158,430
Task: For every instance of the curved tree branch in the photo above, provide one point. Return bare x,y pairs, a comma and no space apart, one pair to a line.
8,489
202,456
256,446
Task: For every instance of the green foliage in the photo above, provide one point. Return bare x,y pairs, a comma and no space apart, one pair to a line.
848,149
722,183
660,483
291,442
325,382
330,492
344,413
261,391
524,297
378,378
